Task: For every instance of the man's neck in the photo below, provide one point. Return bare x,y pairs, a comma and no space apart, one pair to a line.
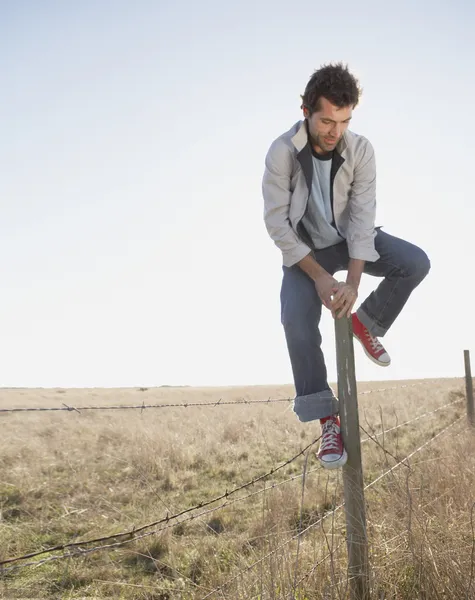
317,148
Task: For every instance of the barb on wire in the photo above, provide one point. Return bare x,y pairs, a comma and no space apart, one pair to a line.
70,408
133,532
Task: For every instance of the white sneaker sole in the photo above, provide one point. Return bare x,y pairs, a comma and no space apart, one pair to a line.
376,362
334,464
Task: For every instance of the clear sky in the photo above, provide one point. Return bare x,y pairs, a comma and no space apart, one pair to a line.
132,145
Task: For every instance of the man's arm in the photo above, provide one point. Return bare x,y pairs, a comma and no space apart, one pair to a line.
362,204
277,196
325,284
355,271
310,266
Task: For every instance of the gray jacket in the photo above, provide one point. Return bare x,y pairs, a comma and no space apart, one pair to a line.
287,185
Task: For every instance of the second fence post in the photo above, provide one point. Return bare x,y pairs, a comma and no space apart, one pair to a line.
469,388
357,542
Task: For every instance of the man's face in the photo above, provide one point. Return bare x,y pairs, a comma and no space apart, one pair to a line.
327,125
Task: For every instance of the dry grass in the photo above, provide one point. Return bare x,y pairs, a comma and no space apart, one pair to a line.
68,476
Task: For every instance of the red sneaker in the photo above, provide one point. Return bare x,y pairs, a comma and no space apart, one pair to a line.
331,453
371,345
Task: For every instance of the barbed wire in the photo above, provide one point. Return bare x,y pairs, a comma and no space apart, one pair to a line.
81,552
220,402
401,462
396,387
194,516
290,479
426,414
143,406
168,518
132,533
337,508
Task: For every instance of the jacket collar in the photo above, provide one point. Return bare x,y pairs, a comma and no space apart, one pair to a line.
300,139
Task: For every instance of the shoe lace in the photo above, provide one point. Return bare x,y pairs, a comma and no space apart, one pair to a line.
330,435
375,343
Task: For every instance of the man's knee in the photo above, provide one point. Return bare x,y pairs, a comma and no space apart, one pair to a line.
420,265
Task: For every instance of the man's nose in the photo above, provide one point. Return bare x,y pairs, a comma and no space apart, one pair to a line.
336,130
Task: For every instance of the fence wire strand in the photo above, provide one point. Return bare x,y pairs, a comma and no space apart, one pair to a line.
68,408
401,462
426,414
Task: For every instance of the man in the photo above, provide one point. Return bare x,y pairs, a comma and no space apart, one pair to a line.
319,191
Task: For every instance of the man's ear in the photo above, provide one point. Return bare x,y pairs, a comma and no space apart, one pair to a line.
306,112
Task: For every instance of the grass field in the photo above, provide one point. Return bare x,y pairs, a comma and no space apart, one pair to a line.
69,476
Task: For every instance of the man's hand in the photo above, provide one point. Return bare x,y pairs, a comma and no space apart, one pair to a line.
334,295
326,286
343,300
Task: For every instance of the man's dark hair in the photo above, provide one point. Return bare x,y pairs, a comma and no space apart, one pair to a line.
335,83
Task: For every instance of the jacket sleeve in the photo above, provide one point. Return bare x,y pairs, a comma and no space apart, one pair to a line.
277,195
361,233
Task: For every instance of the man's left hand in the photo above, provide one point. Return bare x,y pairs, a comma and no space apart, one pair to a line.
345,296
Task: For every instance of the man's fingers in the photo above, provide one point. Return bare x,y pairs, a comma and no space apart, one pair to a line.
329,304
342,312
341,293
339,306
326,301
346,308
350,307
336,302
338,291
340,299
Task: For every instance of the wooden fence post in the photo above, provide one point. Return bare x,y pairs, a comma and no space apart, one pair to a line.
356,534
469,388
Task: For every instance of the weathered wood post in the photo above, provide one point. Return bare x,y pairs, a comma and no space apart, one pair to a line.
356,534
469,388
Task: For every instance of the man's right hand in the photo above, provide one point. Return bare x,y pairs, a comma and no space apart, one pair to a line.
326,286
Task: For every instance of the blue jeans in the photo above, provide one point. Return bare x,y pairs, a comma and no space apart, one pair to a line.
403,267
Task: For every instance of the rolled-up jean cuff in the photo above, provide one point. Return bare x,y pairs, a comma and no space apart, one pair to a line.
370,325
315,406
